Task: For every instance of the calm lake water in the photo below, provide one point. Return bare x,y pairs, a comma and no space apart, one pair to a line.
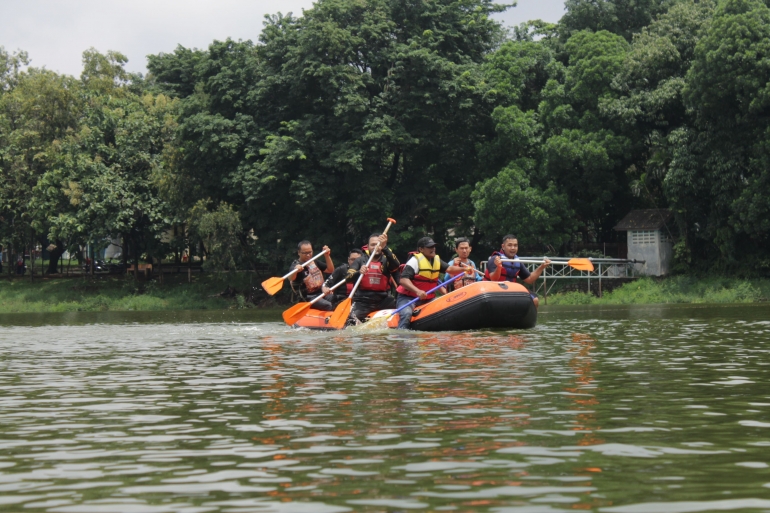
625,410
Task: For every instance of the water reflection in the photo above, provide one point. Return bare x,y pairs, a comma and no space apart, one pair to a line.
601,412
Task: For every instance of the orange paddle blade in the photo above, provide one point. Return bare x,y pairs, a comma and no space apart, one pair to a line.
340,316
295,313
581,264
272,285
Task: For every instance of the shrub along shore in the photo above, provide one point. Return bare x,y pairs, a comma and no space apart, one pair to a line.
111,293
233,291
675,289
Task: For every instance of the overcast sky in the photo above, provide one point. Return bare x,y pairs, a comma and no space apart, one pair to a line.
55,32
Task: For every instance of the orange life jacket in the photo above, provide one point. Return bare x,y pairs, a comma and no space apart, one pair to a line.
314,279
375,279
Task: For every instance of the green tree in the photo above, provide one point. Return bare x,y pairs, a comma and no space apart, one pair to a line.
507,203
101,179
351,113
586,154
37,109
719,179
622,17
650,106
221,233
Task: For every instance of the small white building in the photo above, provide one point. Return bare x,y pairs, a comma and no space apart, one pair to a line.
649,240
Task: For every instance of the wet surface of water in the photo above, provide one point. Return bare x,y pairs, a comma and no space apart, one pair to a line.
626,410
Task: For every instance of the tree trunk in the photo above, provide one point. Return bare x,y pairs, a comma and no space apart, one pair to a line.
476,236
54,257
136,258
124,252
177,253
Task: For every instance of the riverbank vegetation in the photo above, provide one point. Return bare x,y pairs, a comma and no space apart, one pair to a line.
428,112
108,293
237,291
677,289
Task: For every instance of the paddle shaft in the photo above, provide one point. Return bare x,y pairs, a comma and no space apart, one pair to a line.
330,289
319,255
530,261
474,269
371,257
431,291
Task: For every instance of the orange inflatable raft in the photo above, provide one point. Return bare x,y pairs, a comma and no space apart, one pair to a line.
481,305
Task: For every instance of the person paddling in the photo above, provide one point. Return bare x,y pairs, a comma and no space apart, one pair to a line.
420,274
497,270
463,249
339,274
373,293
310,278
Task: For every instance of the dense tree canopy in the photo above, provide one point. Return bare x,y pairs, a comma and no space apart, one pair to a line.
428,112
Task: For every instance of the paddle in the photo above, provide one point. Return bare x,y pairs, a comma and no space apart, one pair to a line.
581,264
298,311
341,313
273,285
431,291
381,322
473,268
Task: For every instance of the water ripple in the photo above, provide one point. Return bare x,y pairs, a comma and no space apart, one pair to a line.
618,411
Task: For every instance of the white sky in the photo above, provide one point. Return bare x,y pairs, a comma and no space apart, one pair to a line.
56,32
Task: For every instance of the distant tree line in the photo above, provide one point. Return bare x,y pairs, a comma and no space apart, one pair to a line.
428,112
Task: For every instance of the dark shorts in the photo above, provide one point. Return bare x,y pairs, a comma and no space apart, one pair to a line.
324,304
362,307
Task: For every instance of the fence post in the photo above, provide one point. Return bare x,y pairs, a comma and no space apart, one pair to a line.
600,279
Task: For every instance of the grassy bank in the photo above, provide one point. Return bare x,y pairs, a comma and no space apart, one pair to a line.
111,293
117,293
677,289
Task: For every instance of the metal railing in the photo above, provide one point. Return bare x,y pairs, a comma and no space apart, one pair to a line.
604,268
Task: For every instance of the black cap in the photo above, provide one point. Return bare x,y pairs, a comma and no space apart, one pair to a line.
425,242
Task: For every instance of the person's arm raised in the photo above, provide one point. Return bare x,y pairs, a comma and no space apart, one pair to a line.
495,275
328,258
392,260
455,263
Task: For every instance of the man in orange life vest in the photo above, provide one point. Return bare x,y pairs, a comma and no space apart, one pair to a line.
373,293
497,270
310,277
420,274
340,273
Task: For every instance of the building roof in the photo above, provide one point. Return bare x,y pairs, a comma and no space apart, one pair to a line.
650,219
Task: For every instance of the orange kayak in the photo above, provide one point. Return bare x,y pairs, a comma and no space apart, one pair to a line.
481,305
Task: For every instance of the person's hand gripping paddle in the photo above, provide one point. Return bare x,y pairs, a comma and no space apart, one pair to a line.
340,316
273,285
298,311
